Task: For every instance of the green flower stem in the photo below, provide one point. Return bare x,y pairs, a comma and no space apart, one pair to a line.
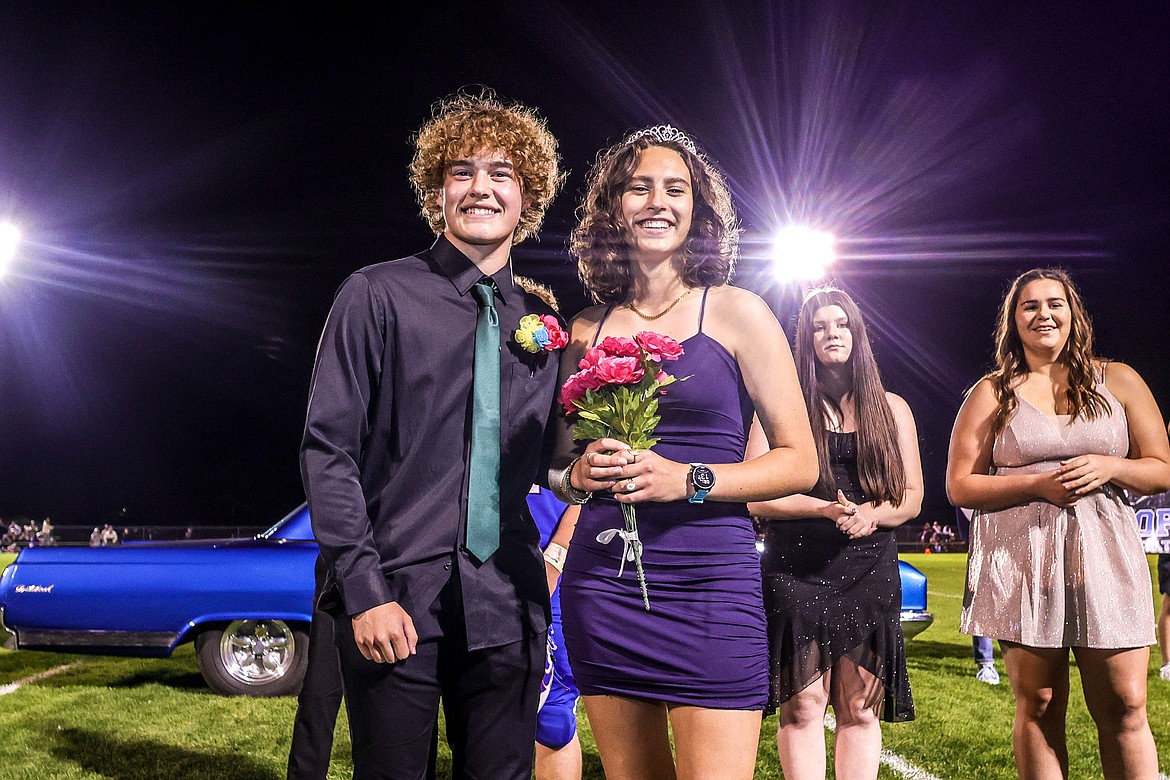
631,521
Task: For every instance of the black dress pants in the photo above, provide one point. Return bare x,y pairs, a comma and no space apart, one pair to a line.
489,698
320,696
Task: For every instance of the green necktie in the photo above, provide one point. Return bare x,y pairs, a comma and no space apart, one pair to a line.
483,495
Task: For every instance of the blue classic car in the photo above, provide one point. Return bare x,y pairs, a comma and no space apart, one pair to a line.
246,604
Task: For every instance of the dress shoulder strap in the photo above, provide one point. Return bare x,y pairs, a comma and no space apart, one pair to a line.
604,317
703,307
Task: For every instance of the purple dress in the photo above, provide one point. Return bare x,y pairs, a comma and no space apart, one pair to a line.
704,640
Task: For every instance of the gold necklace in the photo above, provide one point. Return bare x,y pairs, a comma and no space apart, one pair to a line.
662,313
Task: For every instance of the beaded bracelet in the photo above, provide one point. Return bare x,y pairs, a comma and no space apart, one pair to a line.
574,495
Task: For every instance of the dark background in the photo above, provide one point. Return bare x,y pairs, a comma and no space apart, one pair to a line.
194,184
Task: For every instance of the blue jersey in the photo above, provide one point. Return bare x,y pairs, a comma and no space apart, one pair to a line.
556,722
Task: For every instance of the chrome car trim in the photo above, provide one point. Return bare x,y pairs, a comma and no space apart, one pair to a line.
40,638
915,622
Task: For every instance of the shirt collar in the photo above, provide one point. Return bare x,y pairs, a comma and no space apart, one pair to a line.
463,273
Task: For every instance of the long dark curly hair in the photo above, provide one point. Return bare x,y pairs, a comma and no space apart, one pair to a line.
1011,365
599,240
879,460
467,123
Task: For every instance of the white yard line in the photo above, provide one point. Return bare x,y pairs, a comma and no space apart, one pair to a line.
13,687
938,595
895,762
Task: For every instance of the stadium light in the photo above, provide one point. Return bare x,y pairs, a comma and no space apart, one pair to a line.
802,253
9,240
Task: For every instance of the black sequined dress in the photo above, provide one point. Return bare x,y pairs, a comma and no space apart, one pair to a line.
829,597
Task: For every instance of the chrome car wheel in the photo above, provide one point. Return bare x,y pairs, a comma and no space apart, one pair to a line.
256,652
253,657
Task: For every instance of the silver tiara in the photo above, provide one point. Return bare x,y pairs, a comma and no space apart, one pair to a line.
663,134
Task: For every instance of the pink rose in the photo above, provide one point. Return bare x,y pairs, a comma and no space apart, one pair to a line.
571,391
557,338
589,379
619,347
659,347
592,357
575,386
620,370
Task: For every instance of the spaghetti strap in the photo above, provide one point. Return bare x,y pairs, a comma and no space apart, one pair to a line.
703,307
604,317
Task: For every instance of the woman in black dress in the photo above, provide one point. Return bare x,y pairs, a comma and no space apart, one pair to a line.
830,564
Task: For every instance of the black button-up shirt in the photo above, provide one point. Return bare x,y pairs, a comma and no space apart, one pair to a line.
387,441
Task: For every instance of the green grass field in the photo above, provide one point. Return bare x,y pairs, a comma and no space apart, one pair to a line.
156,720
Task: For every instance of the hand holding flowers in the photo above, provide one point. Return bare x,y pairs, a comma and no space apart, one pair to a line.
614,398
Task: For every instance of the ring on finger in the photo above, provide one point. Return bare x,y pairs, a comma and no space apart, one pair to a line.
631,486
589,459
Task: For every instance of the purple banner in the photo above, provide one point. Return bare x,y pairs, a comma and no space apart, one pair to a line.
1153,519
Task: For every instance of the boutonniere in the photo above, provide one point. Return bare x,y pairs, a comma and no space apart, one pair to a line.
540,333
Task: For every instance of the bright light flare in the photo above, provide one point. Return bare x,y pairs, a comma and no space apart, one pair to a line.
802,253
9,240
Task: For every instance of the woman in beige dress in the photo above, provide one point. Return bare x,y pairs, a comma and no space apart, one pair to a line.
1042,449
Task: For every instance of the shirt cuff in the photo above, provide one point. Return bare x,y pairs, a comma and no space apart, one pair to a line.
364,591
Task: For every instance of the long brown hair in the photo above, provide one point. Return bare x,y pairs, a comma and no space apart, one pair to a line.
879,460
1011,365
599,240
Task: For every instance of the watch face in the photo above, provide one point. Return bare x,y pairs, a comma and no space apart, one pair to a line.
702,478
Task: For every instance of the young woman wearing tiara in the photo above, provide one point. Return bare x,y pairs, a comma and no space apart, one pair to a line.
656,242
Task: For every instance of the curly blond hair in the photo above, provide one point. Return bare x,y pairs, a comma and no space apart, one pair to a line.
599,240
466,124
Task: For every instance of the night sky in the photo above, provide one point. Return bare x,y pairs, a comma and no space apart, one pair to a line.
194,184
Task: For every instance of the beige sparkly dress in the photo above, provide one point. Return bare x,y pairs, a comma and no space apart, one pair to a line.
1045,576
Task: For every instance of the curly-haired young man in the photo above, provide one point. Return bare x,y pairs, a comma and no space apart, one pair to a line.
394,454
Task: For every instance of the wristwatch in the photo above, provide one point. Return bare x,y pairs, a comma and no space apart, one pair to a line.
702,479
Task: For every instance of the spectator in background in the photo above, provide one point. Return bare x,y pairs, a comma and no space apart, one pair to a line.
321,693
95,538
109,536
558,748
1164,615
943,536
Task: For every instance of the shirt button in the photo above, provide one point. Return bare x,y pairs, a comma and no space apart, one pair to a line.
447,565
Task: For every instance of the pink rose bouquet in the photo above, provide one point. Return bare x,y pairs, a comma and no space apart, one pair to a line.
615,395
